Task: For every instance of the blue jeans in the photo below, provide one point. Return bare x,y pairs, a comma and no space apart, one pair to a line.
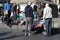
48,23
35,14
15,16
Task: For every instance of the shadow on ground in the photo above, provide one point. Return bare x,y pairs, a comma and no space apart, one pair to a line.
13,36
5,33
55,31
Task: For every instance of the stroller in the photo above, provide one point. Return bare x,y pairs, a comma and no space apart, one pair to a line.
38,25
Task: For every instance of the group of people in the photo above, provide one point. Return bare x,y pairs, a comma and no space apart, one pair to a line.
29,15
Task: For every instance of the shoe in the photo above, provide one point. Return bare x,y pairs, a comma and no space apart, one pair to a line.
25,34
44,33
29,34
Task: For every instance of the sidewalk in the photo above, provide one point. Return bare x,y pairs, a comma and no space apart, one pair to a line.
14,34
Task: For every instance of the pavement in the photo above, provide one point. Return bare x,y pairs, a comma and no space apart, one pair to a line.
16,34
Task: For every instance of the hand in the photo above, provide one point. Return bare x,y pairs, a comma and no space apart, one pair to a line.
43,19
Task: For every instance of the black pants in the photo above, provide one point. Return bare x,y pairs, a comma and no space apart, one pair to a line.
8,17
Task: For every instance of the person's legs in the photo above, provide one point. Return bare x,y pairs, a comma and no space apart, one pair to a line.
20,23
8,18
29,26
5,18
15,16
50,24
26,30
46,24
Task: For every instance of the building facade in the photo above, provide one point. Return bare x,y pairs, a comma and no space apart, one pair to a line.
20,1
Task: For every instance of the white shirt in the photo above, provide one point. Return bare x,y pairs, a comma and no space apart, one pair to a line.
47,12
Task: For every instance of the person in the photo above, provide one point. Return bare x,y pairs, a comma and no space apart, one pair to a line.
18,8
21,17
8,8
47,16
35,11
29,17
14,12
39,9
1,11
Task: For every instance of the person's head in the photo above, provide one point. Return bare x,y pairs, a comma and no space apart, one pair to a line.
8,1
29,3
46,4
14,3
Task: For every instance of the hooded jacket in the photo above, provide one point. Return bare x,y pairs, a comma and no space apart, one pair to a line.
28,11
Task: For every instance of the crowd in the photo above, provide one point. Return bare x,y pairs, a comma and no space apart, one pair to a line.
31,16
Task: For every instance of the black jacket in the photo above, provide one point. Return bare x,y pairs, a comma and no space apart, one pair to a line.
28,11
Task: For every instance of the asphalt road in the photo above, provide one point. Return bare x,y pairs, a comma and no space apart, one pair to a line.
17,34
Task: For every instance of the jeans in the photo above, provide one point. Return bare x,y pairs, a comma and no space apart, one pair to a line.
35,14
28,24
15,16
48,23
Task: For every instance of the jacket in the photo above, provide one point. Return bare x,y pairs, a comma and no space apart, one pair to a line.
8,6
47,13
39,11
28,11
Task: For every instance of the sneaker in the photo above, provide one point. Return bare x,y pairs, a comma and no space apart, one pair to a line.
29,34
35,31
44,33
25,34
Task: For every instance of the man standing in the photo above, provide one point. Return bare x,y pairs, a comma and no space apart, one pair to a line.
47,16
14,12
35,10
29,17
8,8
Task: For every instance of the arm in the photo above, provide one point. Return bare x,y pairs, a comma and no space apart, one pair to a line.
44,13
32,12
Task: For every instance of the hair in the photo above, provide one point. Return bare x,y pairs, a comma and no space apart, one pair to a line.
46,4
29,3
